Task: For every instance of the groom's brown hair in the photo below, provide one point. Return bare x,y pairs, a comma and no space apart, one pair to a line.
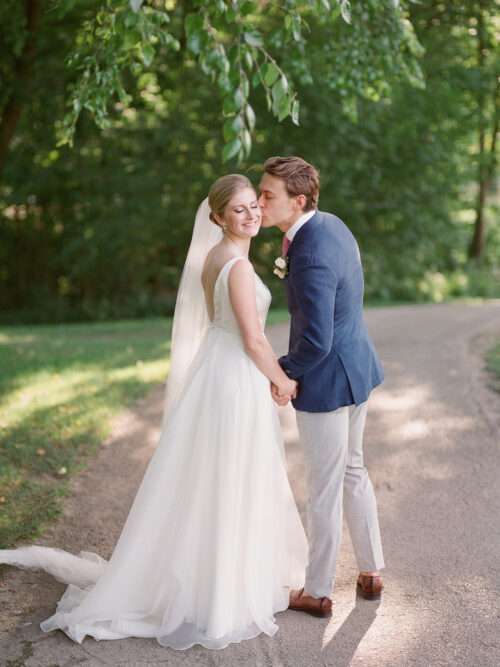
300,177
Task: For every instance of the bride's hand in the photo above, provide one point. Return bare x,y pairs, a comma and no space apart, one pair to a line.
284,392
277,398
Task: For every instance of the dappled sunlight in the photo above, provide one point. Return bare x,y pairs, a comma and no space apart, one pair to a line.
44,389
141,425
60,387
413,430
374,631
392,632
418,429
400,401
9,339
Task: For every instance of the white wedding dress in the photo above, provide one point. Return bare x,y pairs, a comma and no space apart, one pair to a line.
213,539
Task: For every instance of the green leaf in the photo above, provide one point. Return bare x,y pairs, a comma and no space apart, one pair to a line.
269,101
229,131
231,149
245,86
239,99
229,107
279,90
295,112
194,43
247,8
246,141
253,38
283,108
296,28
136,4
271,73
147,54
232,128
196,34
193,23
129,21
224,84
345,9
131,38
250,116
248,59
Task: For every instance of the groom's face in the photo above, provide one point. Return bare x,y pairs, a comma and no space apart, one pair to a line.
278,208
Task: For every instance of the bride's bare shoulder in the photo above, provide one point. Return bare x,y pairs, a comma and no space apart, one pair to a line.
215,260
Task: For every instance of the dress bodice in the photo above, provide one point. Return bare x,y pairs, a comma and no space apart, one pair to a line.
224,317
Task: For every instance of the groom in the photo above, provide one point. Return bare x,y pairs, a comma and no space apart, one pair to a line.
335,364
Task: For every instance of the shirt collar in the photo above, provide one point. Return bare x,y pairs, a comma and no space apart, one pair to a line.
298,224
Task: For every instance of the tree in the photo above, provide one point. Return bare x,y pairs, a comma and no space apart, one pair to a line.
236,44
18,48
395,159
464,37
482,21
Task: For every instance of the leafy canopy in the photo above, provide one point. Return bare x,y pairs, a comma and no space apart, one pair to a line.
239,45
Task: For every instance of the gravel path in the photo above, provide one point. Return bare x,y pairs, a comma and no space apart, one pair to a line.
432,447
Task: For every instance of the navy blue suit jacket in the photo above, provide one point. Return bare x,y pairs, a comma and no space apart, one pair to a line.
330,352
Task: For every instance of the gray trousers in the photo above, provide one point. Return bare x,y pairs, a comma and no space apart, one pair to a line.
338,482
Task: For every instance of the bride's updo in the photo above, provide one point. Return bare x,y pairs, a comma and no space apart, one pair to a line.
222,192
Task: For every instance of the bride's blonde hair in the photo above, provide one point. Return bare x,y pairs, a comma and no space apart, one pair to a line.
222,191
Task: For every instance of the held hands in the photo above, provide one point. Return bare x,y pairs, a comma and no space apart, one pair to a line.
283,392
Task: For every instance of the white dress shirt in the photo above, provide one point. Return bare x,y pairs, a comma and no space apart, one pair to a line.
298,224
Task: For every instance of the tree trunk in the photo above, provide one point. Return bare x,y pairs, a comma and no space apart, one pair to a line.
487,172
22,70
477,244
487,159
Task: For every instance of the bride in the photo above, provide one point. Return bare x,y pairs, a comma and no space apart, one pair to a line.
213,541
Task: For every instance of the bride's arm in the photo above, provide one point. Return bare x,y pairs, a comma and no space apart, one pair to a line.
243,300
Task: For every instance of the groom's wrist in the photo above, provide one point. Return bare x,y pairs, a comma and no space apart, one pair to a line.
282,363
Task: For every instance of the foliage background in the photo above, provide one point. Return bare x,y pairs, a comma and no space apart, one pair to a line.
100,230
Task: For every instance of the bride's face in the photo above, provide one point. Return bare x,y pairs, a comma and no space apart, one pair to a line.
242,214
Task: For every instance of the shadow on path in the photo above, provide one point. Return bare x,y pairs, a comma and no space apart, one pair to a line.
341,648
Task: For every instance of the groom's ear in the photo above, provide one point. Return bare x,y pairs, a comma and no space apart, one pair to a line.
301,201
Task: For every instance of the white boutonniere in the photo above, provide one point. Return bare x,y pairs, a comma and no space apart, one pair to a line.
281,267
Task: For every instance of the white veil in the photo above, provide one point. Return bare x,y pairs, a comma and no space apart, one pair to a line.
190,316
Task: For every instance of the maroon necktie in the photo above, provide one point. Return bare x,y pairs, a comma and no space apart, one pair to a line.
285,244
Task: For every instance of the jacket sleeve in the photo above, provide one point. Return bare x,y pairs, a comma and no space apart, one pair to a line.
316,287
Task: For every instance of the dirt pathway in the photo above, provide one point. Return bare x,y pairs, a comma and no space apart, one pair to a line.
432,447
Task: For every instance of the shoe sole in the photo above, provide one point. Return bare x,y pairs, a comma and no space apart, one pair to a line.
313,612
369,596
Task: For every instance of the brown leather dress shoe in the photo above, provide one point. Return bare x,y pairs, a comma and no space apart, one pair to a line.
370,586
314,606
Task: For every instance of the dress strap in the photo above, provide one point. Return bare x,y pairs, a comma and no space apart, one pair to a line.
227,266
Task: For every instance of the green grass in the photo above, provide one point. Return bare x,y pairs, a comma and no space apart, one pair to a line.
493,364
59,388
277,316
395,303
60,385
